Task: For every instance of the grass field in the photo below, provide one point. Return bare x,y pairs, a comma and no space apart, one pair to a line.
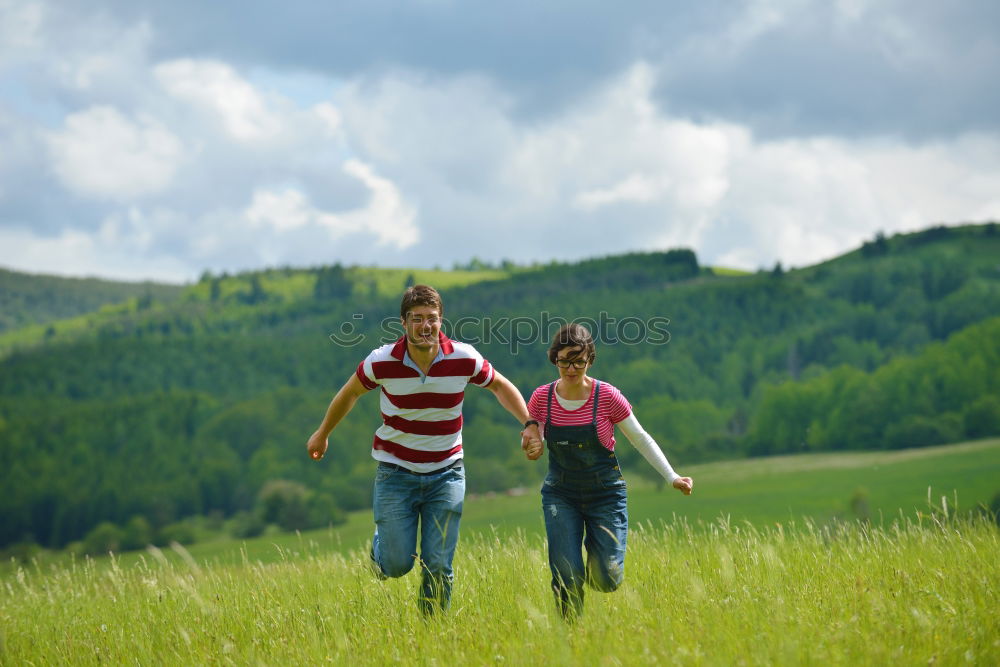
764,564
724,271
918,592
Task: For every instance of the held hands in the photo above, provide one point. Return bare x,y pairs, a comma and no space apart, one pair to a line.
531,443
316,446
684,485
532,448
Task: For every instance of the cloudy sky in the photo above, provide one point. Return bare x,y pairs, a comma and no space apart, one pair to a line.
157,139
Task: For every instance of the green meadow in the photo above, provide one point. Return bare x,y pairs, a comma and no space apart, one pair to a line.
841,558
917,592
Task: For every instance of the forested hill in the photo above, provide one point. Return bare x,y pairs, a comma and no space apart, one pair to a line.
27,299
154,409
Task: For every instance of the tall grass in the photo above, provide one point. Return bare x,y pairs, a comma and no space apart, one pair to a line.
917,591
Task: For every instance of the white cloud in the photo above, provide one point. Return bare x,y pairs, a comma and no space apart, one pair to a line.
757,18
217,88
110,63
328,115
450,124
804,201
214,162
386,215
638,188
49,46
20,24
615,161
78,253
284,210
102,153
851,10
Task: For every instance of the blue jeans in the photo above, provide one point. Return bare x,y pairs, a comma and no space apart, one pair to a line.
587,512
402,501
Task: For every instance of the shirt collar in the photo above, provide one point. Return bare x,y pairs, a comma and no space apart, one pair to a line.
399,349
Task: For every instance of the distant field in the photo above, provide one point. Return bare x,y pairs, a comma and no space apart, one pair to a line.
723,271
298,284
787,490
390,282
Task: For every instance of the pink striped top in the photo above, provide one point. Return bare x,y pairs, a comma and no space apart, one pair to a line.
611,409
422,414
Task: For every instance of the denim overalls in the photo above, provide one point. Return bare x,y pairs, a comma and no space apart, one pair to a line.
583,499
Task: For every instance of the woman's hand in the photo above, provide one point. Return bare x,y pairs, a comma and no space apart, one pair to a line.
532,446
684,485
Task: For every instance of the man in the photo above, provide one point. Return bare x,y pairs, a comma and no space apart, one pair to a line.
420,478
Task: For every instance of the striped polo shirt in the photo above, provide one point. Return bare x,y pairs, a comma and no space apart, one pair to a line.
422,414
611,409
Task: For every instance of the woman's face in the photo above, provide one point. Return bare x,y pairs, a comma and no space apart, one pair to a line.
576,365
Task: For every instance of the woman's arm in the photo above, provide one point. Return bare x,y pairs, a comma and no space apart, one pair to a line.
651,452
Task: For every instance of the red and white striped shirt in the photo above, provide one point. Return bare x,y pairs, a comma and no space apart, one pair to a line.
422,414
611,409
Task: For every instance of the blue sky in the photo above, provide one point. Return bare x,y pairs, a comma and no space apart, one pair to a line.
148,139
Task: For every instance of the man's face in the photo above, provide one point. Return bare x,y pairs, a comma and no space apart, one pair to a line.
422,325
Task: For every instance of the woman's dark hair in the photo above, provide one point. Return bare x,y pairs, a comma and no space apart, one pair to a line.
573,335
420,295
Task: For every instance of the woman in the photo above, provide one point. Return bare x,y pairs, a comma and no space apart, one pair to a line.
583,496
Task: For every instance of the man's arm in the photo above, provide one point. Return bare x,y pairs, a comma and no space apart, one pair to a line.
510,398
339,406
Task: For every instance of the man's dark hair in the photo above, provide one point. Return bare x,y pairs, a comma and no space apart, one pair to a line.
573,335
420,295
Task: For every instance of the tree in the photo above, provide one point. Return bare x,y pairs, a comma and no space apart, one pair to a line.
682,263
332,283
875,248
257,293
105,537
284,502
920,431
982,418
137,534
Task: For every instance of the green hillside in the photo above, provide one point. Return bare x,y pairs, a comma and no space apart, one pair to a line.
157,409
28,299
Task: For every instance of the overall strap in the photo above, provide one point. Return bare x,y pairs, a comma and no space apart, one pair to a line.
548,406
597,395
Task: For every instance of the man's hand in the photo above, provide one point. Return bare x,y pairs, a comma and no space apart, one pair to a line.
684,485
339,406
532,448
531,442
317,446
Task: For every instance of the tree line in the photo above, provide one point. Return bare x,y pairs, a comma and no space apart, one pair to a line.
200,405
